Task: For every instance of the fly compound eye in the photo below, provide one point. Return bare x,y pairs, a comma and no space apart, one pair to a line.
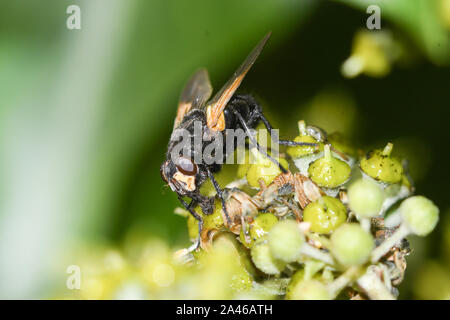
186,166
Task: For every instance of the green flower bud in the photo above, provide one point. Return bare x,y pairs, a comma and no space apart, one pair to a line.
286,240
309,290
211,221
419,214
329,172
263,259
264,169
325,214
351,245
365,198
258,228
379,165
301,151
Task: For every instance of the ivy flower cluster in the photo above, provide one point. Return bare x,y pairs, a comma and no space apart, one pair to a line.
333,226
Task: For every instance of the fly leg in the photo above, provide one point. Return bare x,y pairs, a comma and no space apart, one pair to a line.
190,207
253,141
258,114
220,195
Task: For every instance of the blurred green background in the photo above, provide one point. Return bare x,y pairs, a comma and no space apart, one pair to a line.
85,115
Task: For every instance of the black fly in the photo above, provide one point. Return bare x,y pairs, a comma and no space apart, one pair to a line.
226,110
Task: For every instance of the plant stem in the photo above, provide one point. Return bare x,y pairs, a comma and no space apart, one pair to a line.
387,244
365,224
343,280
317,254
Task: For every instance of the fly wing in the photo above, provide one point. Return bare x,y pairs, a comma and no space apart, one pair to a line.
195,94
217,105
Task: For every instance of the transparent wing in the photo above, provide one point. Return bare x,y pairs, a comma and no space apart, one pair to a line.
195,94
220,100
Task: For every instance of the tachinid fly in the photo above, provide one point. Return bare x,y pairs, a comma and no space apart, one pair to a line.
226,110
